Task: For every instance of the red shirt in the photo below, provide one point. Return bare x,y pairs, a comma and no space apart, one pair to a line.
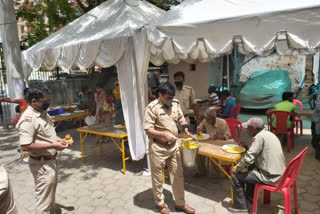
23,105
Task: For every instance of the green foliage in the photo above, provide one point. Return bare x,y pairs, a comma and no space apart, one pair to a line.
165,4
44,18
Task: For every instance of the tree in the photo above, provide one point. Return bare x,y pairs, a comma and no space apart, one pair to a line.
44,18
165,4
87,5
47,16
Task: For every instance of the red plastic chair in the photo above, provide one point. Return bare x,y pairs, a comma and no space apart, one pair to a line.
298,120
287,182
281,125
234,125
235,111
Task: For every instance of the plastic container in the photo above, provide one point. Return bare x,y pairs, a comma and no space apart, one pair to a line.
189,153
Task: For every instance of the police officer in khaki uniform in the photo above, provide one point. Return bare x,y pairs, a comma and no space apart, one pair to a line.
7,204
160,123
38,137
186,97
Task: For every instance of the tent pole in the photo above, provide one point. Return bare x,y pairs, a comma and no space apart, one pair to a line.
228,73
319,70
236,65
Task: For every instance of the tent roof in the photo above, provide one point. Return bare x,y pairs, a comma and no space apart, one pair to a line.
204,29
112,20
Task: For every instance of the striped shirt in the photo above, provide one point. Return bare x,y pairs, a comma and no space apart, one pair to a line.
213,99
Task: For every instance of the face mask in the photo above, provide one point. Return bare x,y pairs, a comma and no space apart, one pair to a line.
45,106
168,102
178,83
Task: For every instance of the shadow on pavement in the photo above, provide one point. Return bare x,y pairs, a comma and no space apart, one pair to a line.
145,200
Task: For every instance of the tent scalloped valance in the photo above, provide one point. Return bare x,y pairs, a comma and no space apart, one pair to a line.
82,55
203,50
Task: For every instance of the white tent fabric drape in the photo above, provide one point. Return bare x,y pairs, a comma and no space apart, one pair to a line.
105,36
205,29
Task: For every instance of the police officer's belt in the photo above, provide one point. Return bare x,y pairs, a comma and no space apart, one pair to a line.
44,157
161,142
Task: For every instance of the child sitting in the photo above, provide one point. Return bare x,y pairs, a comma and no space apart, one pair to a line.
213,97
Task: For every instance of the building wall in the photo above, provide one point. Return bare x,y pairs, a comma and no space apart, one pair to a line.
198,79
66,91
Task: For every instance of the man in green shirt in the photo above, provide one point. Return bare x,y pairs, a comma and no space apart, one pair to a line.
266,164
285,105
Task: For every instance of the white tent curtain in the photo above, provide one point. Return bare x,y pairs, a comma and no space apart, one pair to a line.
132,74
130,96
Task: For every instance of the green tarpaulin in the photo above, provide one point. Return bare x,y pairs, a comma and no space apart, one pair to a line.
264,89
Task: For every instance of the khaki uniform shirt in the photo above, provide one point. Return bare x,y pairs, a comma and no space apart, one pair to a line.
161,118
219,131
186,98
36,127
266,154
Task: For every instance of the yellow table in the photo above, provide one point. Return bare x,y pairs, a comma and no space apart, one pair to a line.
74,115
213,150
108,131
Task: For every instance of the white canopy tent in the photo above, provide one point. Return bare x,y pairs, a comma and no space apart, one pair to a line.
104,36
205,29
194,30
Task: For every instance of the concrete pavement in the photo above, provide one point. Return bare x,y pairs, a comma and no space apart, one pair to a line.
99,187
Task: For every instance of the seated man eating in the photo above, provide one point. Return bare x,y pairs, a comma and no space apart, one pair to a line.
266,164
217,128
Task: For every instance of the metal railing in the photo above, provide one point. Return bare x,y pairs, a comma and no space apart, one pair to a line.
5,112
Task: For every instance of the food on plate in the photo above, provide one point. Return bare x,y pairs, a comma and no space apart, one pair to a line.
235,149
190,145
200,136
69,139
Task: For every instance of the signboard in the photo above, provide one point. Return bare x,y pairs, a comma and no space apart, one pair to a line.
1,49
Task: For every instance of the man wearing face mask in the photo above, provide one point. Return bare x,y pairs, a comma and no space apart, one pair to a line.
186,97
162,116
38,137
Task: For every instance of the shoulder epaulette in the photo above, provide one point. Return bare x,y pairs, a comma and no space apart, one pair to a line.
188,87
154,103
176,101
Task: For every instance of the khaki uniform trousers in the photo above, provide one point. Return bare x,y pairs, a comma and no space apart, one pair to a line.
7,204
45,174
160,155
